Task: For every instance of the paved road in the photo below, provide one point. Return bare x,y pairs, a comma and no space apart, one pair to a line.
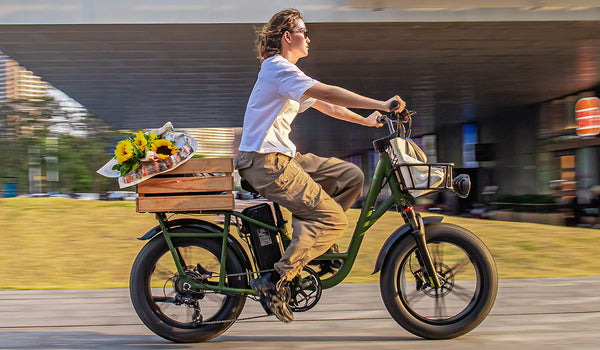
558,313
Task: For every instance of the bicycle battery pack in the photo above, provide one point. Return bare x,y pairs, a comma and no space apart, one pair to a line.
266,243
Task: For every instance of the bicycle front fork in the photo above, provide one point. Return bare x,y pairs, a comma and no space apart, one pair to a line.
418,231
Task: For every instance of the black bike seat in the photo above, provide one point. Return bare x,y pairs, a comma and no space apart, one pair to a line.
248,187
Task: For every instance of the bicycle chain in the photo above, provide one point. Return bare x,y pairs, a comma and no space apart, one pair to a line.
203,323
232,320
236,319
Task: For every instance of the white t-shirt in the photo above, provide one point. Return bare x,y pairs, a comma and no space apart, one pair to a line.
274,103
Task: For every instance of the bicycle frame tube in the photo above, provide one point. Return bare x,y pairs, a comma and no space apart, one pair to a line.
368,216
161,217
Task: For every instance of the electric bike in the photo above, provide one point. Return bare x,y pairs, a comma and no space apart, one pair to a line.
190,282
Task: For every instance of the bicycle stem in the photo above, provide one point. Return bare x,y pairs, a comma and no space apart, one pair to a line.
415,221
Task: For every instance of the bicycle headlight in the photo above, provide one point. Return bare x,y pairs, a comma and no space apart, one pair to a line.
462,185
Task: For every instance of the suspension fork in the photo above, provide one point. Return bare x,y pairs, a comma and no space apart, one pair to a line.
415,221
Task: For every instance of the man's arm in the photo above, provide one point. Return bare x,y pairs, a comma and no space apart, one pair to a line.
343,113
346,98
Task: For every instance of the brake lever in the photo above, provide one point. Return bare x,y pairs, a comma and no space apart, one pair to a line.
384,119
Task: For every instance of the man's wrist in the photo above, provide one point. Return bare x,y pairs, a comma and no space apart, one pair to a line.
384,106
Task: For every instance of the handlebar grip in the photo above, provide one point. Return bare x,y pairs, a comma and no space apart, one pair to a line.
395,104
382,118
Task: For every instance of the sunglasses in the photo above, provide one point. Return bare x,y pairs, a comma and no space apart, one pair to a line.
303,32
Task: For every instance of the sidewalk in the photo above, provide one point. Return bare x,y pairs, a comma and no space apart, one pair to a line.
553,313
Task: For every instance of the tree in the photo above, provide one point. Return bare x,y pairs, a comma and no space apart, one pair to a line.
70,134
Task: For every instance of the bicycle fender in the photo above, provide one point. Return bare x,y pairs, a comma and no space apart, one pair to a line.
232,242
396,236
176,223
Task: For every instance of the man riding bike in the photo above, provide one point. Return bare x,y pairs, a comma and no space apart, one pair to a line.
316,190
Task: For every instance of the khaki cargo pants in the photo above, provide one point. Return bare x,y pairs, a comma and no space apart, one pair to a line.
316,190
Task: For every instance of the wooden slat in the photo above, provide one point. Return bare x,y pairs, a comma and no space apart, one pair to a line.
186,184
204,165
164,187
184,203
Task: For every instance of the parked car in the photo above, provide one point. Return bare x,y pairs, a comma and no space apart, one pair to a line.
121,196
60,195
39,195
87,196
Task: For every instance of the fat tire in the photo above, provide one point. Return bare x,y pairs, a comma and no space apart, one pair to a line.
139,284
480,257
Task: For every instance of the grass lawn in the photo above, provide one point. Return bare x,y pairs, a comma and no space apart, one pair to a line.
50,243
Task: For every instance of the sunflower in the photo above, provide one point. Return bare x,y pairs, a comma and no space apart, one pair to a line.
163,148
152,136
124,150
141,142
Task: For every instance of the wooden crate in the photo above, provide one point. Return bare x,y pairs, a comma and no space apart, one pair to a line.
181,189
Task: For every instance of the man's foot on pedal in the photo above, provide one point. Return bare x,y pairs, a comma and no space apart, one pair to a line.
274,296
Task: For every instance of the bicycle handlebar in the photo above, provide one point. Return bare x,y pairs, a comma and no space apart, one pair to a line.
405,116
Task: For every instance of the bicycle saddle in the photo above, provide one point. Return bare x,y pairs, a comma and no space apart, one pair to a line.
247,187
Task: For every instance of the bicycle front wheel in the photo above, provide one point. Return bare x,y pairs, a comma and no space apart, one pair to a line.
469,279
172,309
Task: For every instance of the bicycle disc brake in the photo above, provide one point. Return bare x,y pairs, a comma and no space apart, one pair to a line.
306,290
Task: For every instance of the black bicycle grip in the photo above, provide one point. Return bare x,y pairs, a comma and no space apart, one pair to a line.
381,119
395,104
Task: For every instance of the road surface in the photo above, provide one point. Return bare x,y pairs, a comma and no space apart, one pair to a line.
556,313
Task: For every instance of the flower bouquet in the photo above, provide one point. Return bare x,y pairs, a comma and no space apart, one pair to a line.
130,153
148,154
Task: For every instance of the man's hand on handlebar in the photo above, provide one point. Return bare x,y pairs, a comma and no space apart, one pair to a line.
395,104
372,120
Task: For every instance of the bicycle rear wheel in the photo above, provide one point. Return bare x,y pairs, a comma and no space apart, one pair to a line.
468,273
170,308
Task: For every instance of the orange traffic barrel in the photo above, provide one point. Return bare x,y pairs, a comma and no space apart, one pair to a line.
587,116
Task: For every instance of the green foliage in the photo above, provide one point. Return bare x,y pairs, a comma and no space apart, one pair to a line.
31,131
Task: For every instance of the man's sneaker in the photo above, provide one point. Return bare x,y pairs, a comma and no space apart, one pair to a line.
281,302
274,297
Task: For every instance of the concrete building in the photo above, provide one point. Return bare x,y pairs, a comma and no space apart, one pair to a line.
18,83
494,82
3,58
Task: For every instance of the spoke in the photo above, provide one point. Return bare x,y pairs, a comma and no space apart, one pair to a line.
305,284
437,254
440,305
416,295
462,293
163,272
309,295
460,266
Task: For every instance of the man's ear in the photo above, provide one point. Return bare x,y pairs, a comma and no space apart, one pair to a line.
287,37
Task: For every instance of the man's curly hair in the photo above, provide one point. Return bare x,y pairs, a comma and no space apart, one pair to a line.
268,42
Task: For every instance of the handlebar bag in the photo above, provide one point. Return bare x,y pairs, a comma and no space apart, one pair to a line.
407,157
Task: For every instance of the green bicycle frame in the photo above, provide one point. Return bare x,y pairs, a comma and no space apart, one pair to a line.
368,216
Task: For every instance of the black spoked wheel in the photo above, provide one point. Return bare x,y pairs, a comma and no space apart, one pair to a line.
466,270
170,307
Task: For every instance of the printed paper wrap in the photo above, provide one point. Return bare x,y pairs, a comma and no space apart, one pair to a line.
186,144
